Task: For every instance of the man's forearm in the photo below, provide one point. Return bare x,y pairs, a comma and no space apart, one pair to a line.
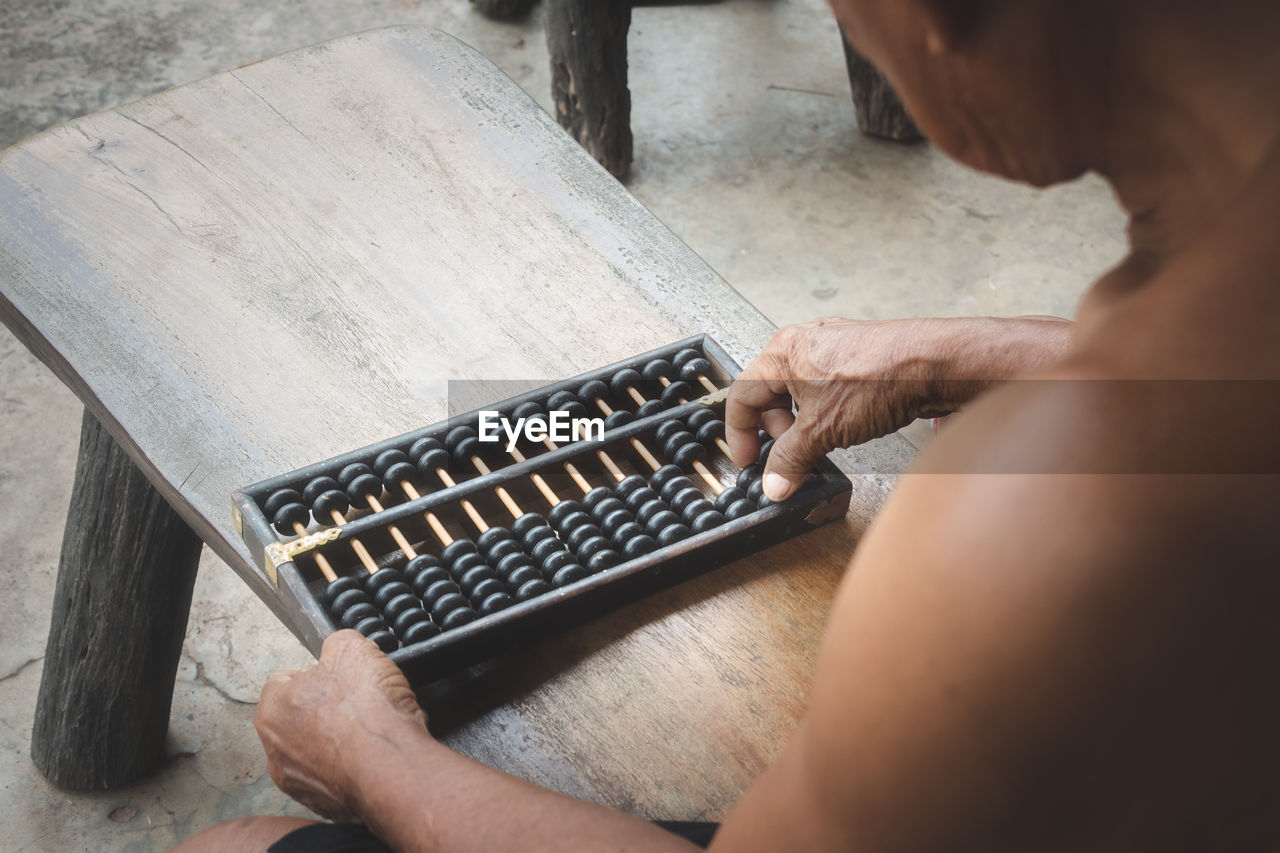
979,352
420,796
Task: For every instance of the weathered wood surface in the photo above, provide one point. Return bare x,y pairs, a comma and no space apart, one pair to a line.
587,41
504,10
276,264
879,110
119,615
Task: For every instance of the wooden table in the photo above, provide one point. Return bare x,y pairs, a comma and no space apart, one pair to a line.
289,260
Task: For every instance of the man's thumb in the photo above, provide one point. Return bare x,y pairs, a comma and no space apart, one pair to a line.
793,456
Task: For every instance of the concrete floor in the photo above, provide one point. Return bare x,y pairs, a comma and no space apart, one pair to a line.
746,147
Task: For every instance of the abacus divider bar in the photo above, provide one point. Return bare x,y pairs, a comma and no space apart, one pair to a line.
325,568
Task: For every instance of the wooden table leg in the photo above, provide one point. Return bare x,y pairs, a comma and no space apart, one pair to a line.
119,616
879,109
587,40
504,10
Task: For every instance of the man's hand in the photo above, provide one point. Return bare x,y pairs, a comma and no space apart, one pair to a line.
307,719
852,381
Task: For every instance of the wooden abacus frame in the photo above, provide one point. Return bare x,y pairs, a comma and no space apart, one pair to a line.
292,562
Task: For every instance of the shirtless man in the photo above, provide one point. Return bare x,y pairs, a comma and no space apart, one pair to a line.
1069,610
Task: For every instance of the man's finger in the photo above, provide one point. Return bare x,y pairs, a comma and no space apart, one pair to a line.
744,406
777,421
793,456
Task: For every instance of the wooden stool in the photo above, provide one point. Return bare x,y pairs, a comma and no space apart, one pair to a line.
289,260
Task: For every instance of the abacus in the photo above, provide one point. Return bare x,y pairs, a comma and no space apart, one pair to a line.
446,550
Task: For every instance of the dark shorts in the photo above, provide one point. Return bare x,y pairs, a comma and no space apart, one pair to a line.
353,838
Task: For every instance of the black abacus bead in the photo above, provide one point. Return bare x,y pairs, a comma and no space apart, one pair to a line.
527,522
700,417
684,497
522,576
369,624
419,564
630,484
487,588
420,632
555,562
749,475
664,519
601,560
381,578
640,497
568,574
708,520
456,436
638,546
362,488
427,577
755,491
492,537
562,509
466,448
663,474
406,620
683,357
458,618
464,564
495,602
337,587
689,453
592,546
433,461
739,509
399,605
611,522
677,391
527,409
560,399
673,487
651,508
619,418
316,487
696,508
397,475
354,615
709,432
658,369
676,439
437,590
289,515
532,589
327,503
384,460
624,379
391,590
765,449
672,534
649,408
593,498
423,445
693,368
350,472
446,604
536,535
580,534
765,501
573,521
592,391
627,532
385,641
729,497
345,601
605,508
578,410
546,548
473,577
511,562
502,549
456,549
281,498
667,429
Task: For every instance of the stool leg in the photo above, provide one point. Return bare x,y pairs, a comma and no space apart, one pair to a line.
119,616
879,109
587,40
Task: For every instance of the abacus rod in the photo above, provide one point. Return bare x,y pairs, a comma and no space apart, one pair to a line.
611,465
401,541
546,490
503,494
325,569
702,470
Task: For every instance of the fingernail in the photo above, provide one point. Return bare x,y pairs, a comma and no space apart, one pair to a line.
776,486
